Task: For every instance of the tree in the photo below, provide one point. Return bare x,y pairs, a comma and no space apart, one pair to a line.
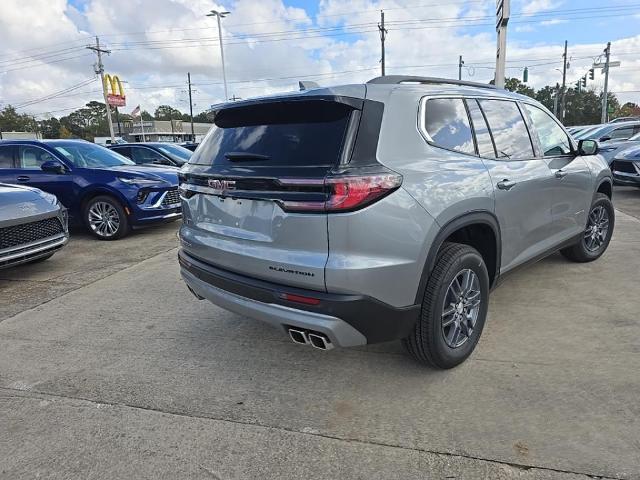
50,128
515,85
146,116
167,112
546,96
12,121
87,122
203,117
629,109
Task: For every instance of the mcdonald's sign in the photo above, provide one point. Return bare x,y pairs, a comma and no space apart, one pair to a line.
115,98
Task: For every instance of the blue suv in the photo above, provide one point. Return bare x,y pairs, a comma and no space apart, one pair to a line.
101,189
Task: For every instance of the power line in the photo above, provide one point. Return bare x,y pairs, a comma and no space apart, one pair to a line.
57,94
45,63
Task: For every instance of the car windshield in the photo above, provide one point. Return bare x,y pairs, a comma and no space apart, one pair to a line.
89,155
180,154
589,132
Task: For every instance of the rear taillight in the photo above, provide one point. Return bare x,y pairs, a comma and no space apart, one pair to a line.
348,193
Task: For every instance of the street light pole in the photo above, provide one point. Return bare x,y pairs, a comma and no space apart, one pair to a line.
219,15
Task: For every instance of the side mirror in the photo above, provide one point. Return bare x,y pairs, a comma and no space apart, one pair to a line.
53,166
606,138
587,147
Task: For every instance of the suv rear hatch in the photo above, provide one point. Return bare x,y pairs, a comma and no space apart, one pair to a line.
257,192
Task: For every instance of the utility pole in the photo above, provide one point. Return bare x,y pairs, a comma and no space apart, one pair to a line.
460,64
605,94
219,15
193,135
555,101
383,35
503,11
564,82
99,69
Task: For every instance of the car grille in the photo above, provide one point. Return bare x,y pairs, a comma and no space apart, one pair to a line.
29,232
626,167
171,198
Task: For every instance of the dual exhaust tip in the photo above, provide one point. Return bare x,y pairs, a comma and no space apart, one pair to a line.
315,339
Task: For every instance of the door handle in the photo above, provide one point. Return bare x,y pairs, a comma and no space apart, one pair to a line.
506,184
23,178
561,174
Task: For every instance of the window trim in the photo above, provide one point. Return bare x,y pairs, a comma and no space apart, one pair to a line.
422,123
473,128
17,160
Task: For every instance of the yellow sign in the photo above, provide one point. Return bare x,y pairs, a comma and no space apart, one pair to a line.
115,97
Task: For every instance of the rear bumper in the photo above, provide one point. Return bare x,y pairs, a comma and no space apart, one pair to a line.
348,320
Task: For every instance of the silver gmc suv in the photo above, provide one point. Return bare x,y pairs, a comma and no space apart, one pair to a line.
367,213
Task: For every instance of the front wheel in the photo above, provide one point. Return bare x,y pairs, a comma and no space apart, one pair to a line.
105,218
595,239
454,308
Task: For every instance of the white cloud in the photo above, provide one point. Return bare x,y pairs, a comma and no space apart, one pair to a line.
535,6
553,21
419,42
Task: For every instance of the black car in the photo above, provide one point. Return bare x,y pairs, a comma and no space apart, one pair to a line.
626,167
154,153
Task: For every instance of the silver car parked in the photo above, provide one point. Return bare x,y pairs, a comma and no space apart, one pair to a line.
387,210
33,225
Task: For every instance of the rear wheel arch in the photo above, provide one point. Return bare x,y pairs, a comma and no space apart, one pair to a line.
479,230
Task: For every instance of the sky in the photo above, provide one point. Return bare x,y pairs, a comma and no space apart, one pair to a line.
46,69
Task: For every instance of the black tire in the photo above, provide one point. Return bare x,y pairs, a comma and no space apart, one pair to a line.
115,210
427,342
580,251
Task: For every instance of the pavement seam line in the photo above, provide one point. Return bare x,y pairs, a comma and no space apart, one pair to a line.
25,394
78,287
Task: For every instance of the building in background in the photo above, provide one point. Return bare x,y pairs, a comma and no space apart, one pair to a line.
164,131
20,136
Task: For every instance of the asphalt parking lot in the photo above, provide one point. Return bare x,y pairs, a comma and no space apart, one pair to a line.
110,368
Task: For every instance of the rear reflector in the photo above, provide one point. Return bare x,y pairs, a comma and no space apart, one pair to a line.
348,193
300,299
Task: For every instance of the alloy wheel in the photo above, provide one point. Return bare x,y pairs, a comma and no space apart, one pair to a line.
597,229
461,308
104,219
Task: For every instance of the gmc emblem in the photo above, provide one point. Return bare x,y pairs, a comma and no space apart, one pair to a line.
222,185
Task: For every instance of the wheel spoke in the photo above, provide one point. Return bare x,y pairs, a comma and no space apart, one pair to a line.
454,333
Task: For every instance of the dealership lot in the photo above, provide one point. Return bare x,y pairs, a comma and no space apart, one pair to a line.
110,368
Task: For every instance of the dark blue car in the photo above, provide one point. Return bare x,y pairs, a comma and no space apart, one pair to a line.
101,189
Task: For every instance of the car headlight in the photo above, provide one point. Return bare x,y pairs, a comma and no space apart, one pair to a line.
147,182
49,197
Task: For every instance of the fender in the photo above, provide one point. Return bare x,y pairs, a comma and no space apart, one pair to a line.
481,216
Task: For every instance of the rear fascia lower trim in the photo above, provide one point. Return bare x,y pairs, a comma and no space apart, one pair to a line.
377,321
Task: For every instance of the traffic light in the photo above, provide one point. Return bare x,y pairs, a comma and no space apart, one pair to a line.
525,75
592,74
578,84
584,81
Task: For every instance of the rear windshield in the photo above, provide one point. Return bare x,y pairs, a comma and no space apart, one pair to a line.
309,133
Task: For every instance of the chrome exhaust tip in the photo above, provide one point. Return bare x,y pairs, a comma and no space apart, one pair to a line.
320,341
299,336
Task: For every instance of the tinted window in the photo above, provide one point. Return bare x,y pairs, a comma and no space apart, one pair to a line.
622,133
177,153
32,158
483,137
309,133
552,138
447,124
142,155
122,151
508,128
6,156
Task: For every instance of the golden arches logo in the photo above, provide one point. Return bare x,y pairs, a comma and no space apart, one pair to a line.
115,97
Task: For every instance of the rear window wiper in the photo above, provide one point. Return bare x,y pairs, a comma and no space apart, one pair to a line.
243,156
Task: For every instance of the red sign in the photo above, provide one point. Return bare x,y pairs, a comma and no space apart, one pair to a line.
116,100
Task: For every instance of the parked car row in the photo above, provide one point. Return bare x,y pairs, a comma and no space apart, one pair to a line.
100,189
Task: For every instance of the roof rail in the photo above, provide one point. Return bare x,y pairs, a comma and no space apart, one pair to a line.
399,79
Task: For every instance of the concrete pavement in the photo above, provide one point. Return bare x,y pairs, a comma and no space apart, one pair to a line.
130,377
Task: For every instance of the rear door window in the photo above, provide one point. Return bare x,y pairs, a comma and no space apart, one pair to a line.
481,130
125,151
282,134
509,131
142,155
447,123
621,133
